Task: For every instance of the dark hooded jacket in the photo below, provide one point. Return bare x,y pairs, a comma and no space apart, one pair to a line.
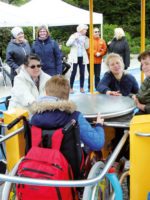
15,54
50,112
121,47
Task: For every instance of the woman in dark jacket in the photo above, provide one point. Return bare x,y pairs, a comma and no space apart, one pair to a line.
48,50
120,46
16,51
117,81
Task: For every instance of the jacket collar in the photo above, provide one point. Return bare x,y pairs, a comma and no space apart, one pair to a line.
52,104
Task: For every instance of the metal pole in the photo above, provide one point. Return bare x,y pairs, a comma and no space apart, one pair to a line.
142,32
91,47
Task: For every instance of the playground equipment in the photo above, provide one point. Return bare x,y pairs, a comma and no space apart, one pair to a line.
78,183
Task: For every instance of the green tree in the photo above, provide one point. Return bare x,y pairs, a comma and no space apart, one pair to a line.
124,13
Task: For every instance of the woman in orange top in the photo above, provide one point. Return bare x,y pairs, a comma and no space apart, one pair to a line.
100,49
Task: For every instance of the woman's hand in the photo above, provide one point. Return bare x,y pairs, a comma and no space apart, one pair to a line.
114,93
99,119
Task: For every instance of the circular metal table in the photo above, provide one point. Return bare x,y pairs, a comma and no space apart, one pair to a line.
110,107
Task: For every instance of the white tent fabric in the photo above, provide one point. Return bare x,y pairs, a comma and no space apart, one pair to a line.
11,16
57,13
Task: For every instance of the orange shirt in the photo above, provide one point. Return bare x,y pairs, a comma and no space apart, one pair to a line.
99,46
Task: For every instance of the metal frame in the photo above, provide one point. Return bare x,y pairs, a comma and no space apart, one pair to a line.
75,183
4,73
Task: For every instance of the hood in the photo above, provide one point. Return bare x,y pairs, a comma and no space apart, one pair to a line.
52,105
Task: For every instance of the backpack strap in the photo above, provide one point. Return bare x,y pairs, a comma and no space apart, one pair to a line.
36,136
53,44
57,139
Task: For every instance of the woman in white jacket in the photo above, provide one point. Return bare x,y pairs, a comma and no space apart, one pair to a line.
28,84
78,42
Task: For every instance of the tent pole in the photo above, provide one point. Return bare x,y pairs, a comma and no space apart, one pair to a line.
33,32
102,28
91,47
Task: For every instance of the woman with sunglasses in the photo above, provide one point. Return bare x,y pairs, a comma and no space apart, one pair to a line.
29,83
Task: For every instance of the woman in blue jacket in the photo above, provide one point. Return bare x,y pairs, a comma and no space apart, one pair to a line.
48,51
117,81
54,111
16,51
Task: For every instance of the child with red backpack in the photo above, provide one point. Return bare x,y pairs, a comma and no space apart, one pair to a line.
56,111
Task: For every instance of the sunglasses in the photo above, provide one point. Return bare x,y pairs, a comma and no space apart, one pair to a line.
96,31
33,66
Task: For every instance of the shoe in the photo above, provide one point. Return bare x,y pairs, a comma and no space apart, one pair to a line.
81,90
71,91
3,168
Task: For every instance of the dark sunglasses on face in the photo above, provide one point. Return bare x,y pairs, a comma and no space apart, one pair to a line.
33,66
96,31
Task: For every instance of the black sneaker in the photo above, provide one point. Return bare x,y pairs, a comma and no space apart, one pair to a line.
3,166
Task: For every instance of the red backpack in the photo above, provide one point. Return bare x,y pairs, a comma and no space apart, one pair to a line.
48,164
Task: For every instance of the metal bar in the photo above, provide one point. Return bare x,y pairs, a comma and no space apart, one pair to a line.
142,32
117,124
75,183
142,134
111,115
11,134
91,48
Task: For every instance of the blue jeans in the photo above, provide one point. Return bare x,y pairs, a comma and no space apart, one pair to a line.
97,71
74,71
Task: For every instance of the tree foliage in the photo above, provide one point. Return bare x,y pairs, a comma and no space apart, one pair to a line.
124,13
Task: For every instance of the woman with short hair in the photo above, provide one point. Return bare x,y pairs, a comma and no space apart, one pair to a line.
29,84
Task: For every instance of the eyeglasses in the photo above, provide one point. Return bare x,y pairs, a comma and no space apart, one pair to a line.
96,31
33,66
42,31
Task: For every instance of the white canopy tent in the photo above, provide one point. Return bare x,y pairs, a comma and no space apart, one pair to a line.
58,13
48,12
11,16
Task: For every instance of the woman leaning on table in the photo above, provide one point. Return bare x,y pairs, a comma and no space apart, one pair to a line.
116,80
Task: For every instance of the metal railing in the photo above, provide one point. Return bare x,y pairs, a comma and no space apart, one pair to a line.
74,183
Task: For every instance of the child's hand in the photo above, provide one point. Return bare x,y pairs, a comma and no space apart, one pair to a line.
99,119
